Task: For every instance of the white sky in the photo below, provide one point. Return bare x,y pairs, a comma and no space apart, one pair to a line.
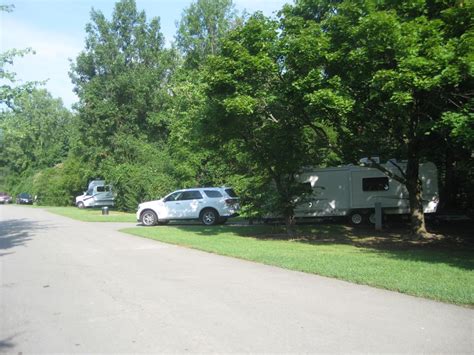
54,29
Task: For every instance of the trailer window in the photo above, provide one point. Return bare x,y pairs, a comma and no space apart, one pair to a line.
375,184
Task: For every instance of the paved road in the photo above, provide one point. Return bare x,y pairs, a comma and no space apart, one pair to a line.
72,287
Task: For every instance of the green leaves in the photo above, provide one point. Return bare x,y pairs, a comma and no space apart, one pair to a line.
254,106
242,105
396,72
36,133
251,101
202,27
121,77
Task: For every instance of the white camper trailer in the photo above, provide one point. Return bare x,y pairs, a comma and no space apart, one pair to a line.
98,194
354,190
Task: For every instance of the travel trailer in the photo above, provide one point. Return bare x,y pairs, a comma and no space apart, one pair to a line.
354,190
98,194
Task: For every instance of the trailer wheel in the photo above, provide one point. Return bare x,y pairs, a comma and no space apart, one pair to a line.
356,218
372,218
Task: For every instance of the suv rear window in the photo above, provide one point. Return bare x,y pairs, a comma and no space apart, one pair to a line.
212,193
231,192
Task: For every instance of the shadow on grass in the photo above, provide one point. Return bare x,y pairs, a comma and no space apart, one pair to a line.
16,232
453,247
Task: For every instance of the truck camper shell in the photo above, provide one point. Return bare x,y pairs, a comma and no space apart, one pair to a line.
98,194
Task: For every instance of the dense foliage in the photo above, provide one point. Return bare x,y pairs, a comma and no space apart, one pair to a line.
399,69
248,101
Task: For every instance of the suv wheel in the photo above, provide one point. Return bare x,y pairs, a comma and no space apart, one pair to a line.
80,205
149,218
209,217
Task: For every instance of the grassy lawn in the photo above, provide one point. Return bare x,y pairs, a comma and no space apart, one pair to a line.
438,269
92,214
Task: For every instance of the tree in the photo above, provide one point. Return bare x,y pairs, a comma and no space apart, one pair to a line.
201,28
121,77
404,64
9,89
35,133
122,80
251,108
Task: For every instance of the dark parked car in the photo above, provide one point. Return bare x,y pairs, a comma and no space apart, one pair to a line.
24,199
5,198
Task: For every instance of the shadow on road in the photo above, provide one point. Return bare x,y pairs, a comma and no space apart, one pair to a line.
6,343
16,232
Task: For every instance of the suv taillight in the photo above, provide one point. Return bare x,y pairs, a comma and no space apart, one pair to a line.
230,201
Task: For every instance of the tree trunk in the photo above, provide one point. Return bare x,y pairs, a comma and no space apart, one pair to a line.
290,224
285,205
414,187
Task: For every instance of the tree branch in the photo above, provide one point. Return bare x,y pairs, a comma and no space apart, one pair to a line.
401,179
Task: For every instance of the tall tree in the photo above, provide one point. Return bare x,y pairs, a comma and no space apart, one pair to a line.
35,133
200,31
121,78
251,108
201,28
10,88
406,65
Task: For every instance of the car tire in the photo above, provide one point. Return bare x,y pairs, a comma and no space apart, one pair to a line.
209,217
80,205
149,218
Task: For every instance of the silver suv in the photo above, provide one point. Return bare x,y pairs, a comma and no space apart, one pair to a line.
210,205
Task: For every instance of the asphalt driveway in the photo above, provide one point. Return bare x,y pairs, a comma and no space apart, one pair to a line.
76,287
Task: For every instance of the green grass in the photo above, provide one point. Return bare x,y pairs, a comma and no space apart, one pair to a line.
92,214
443,274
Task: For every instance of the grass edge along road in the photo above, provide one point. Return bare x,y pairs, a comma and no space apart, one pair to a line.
91,214
328,250
442,275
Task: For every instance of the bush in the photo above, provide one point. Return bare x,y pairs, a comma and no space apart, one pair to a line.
57,186
141,172
135,183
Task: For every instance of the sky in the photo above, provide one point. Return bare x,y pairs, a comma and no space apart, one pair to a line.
55,30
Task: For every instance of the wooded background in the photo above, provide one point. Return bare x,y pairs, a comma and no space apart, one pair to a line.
246,101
